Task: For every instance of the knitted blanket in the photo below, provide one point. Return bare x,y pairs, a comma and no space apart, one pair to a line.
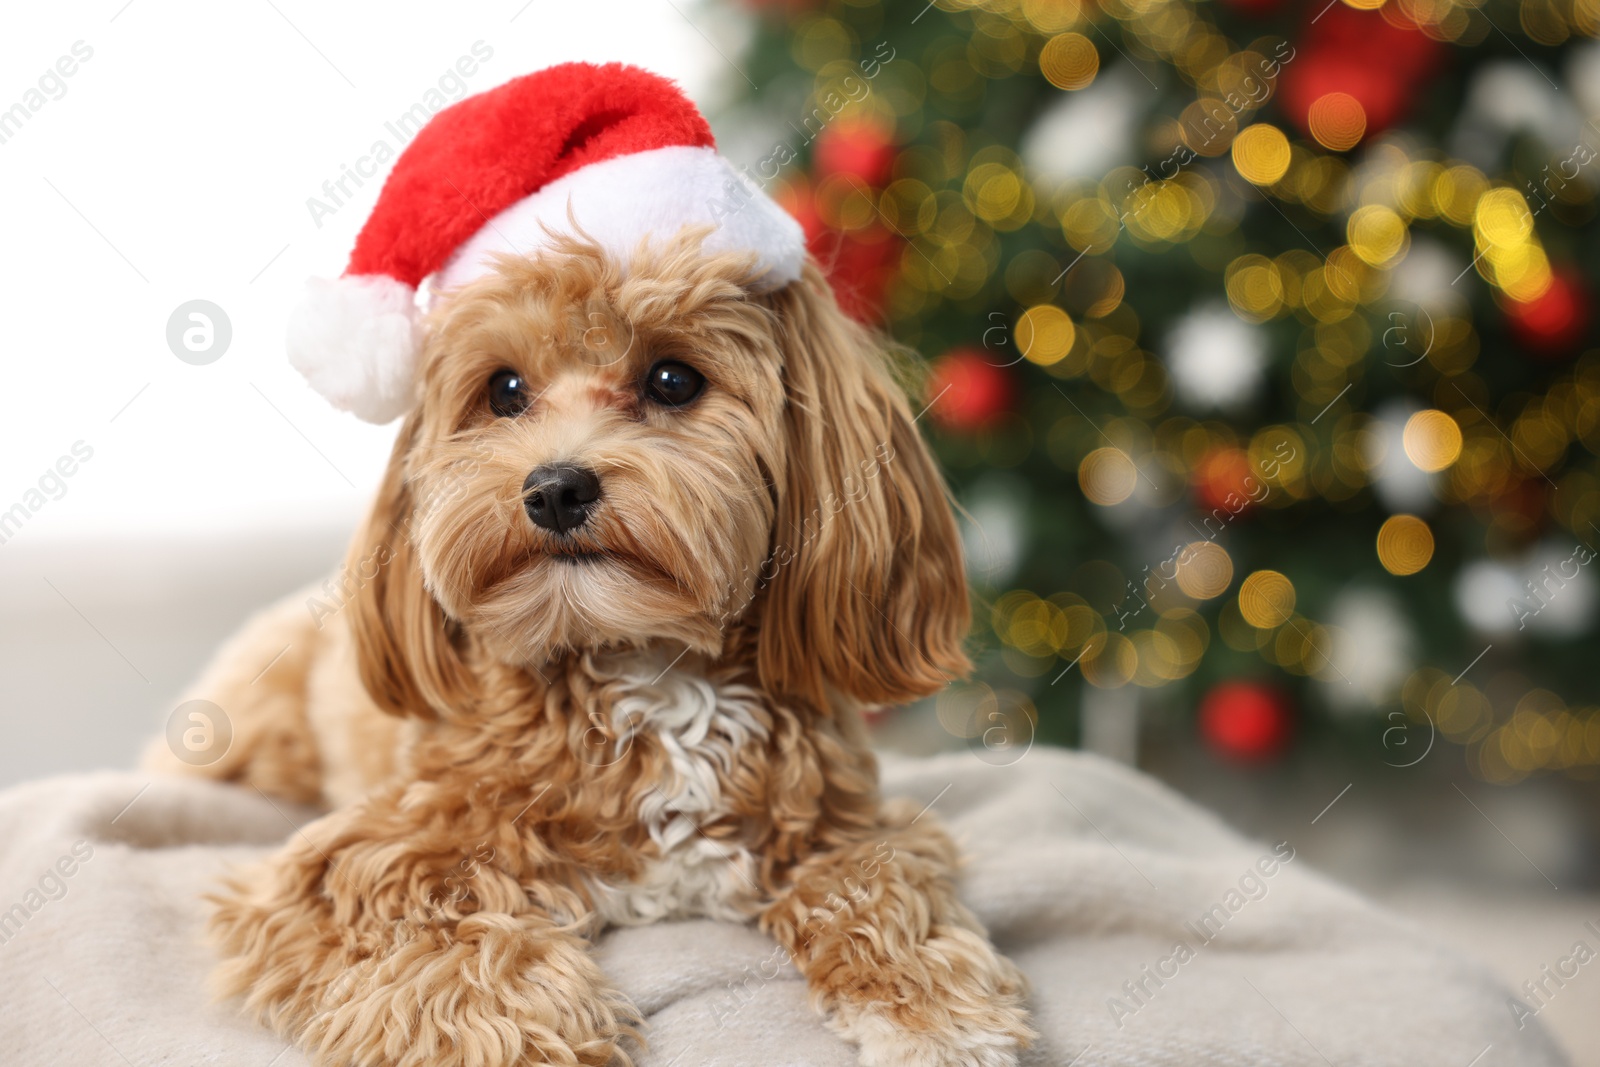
1151,934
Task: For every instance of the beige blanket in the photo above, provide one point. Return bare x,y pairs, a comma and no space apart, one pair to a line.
1152,935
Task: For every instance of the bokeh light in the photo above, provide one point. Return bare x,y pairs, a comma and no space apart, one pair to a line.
1432,440
1069,61
1261,154
1045,334
1377,234
1405,545
1266,599
1337,121
1107,476
1205,570
1405,341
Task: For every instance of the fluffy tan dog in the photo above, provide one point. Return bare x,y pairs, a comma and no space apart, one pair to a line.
644,549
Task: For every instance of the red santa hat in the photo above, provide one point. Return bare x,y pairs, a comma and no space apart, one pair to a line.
620,149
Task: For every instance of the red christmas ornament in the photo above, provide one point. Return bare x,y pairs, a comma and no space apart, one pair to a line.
968,392
1552,325
860,148
859,264
1223,482
1246,721
1377,57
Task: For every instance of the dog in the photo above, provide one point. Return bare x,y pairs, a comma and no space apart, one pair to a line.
647,545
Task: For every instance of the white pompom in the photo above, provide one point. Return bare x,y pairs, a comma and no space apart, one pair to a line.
357,339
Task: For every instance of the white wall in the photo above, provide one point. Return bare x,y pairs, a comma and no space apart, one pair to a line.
175,164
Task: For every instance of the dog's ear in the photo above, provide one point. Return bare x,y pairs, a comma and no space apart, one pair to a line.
404,642
867,590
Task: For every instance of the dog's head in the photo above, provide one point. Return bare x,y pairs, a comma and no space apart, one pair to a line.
601,459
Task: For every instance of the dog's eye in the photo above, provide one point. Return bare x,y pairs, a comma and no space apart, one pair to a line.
673,384
508,394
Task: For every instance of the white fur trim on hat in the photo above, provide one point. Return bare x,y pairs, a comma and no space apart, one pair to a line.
623,200
356,339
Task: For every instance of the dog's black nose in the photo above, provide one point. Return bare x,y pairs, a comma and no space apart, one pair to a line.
560,498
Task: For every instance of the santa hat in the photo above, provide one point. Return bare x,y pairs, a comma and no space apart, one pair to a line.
620,148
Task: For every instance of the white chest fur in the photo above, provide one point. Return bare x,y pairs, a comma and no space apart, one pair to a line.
701,727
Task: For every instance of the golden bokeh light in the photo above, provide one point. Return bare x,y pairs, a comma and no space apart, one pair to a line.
1044,334
1302,647
1109,661
844,203
1261,154
1432,440
1377,234
1069,61
1170,211
1184,637
1463,713
1255,289
1509,254
1156,656
1414,188
908,206
1005,606
1266,599
1107,476
1083,622
1205,570
1051,16
1405,545
1502,218
1456,193
1038,628
1091,223
997,194
1523,273
1337,121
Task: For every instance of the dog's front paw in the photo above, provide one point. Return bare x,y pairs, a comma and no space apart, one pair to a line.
498,991
489,990
959,1003
980,1036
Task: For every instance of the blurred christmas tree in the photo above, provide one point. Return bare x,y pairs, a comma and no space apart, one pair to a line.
1261,347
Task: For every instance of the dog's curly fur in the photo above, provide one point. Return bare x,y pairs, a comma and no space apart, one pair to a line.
526,736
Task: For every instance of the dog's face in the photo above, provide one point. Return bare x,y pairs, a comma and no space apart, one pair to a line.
600,459
595,459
